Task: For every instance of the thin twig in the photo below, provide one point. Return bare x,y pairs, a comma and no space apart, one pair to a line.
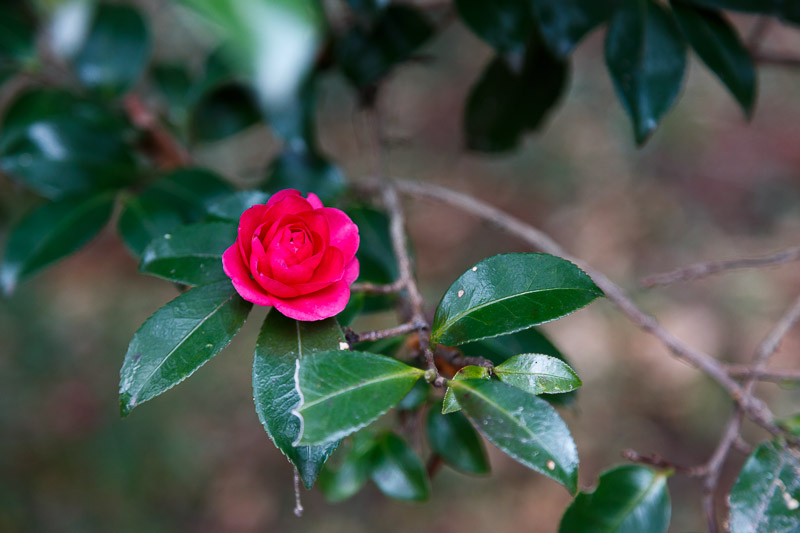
298,505
659,462
776,59
373,288
379,334
168,152
702,270
764,374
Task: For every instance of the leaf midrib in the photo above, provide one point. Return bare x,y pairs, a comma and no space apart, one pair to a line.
389,377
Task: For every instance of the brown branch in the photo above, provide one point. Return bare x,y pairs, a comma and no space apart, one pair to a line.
764,374
659,462
776,59
373,288
377,335
702,270
166,150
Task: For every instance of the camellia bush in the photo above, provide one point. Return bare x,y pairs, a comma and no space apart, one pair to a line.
103,132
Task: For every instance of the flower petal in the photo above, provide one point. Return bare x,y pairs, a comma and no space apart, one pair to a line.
314,200
343,232
351,271
315,306
234,268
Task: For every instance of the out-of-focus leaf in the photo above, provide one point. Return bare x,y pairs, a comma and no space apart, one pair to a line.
17,34
791,424
715,40
224,111
397,471
563,23
416,397
628,499
646,57
191,254
524,426
231,206
538,374
306,171
339,484
766,497
174,85
450,403
369,8
281,344
352,309
178,339
343,391
507,25
50,232
453,438
507,293
377,263
115,51
181,197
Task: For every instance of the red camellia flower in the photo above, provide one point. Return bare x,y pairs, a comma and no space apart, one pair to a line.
296,255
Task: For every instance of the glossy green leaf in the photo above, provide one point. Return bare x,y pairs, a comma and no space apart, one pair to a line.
628,499
341,483
231,206
178,339
786,9
507,293
523,426
454,439
450,403
225,111
281,344
717,43
646,57
416,397
766,497
343,391
538,374
306,171
506,25
180,197
397,471
115,51
563,23
50,232
191,254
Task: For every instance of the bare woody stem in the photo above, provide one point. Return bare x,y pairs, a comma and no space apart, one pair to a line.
764,374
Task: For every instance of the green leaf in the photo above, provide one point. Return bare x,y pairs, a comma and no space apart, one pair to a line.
538,374
377,262
306,171
717,43
281,344
397,471
51,232
628,499
340,484
224,111
416,397
766,497
17,33
174,84
178,198
343,391
646,57
506,25
190,254
450,403
455,440
563,23
354,306
790,424
369,8
230,207
115,51
507,293
178,339
523,426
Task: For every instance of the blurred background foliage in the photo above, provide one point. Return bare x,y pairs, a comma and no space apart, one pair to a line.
707,185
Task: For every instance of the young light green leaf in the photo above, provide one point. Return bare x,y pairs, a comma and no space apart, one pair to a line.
51,232
281,344
455,440
343,391
564,23
178,339
523,426
538,374
397,471
766,497
115,51
646,57
628,499
508,293
339,484
190,254
450,404
716,42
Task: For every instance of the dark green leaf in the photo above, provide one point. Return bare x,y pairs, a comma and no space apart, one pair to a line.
538,374
628,499
307,172
17,32
178,198
646,57
716,42
455,440
506,25
375,255
766,497
523,426
450,403
340,484
178,339
281,344
507,293
416,397
786,9
230,207
369,8
191,254
388,346
563,23
50,232
397,471
343,391
352,309
115,51
225,111
499,349
174,84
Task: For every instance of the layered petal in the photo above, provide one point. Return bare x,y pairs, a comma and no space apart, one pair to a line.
319,305
234,268
343,232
